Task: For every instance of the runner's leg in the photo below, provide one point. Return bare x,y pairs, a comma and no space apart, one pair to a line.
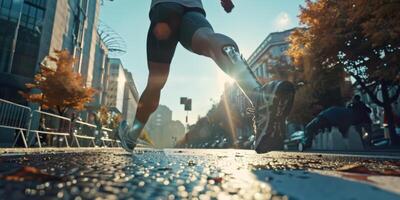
198,36
162,39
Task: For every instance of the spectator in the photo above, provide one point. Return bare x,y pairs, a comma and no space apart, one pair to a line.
360,109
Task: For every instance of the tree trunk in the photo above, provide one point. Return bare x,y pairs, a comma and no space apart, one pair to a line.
387,106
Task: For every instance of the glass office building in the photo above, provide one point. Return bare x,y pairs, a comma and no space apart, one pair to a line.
44,26
28,35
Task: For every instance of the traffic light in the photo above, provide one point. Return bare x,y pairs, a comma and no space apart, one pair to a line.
188,105
183,100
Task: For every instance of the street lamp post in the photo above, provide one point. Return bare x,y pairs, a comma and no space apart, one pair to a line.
15,38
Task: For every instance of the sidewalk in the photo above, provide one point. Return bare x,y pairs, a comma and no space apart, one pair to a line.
47,150
112,173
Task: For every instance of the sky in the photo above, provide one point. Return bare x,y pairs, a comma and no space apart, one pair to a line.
194,76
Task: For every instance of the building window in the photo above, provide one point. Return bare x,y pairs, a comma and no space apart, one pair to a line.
33,14
6,4
79,23
29,32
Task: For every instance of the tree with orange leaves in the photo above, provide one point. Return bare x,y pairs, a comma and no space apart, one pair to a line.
104,116
60,88
115,120
359,36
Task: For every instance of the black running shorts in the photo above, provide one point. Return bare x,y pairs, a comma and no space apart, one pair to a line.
182,22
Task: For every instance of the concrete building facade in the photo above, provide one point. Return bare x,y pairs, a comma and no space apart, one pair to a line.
45,25
91,38
275,45
100,73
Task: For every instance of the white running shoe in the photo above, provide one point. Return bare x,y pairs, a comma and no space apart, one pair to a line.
129,135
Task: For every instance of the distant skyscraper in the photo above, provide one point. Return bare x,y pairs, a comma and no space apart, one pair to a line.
163,130
131,98
122,94
116,85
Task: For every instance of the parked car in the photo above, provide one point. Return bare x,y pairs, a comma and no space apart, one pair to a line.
215,144
250,142
223,144
296,141
205,145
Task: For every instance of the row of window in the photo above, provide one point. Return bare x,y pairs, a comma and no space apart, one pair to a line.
38,3
32,16
32,12
10,4
7,4
9,10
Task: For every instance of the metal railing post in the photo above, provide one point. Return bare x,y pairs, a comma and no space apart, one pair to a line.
29,123
38,139
16,139
24,139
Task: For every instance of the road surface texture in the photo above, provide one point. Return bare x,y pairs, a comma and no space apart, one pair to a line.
195,174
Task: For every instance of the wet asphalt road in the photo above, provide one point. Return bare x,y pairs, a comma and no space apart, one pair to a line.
196,174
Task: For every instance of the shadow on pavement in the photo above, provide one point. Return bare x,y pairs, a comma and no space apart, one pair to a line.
316,185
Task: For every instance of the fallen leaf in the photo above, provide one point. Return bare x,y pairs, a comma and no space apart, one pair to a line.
28,174
391,172
361,169
356,168
215,179
359,177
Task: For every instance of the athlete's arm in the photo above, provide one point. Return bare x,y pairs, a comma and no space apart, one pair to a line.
227,5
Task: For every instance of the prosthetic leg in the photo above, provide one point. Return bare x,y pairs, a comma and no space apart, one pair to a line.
242,74
272,102
224,51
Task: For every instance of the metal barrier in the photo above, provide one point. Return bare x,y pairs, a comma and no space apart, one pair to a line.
52,129
15,117
108,138
83,130
56,129
333,140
